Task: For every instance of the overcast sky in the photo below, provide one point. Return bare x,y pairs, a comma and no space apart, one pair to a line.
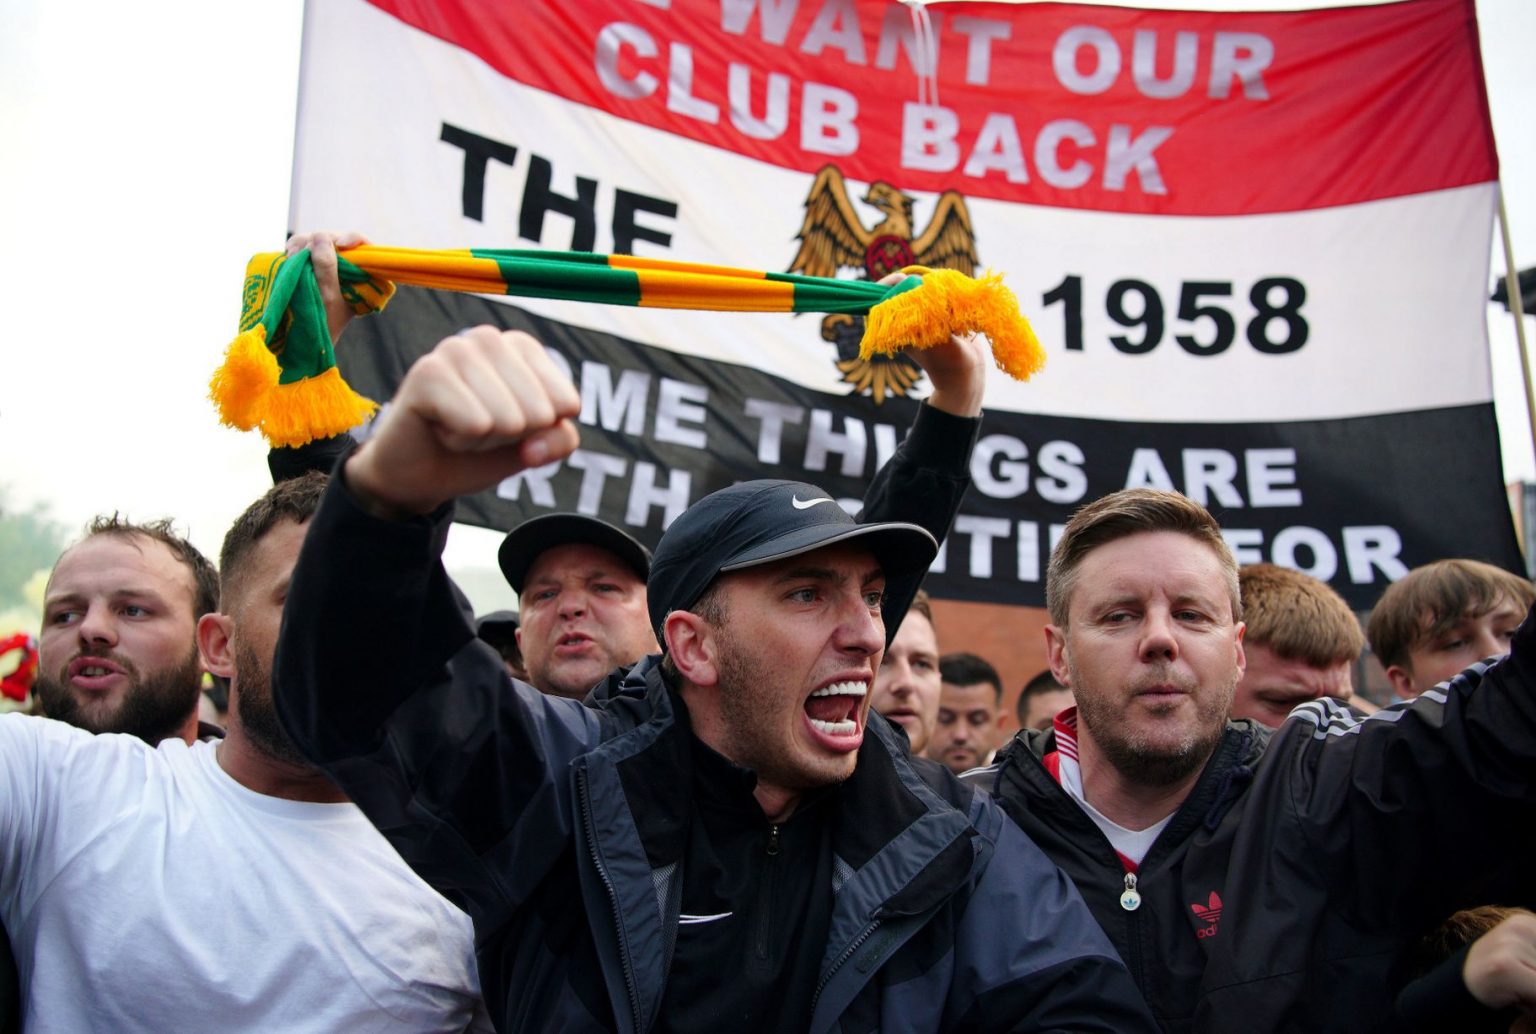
147,156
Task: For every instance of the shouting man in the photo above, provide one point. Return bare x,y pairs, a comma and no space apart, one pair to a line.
726,808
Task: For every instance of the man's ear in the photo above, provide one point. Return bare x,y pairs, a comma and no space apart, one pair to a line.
1242,654
1056,654
691,644
1402,682
215,644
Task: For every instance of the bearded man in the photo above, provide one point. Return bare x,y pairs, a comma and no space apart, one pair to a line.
221,884
1254,880
118,650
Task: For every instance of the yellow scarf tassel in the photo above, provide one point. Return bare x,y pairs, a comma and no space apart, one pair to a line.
949,302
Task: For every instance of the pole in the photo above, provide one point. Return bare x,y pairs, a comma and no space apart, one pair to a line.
1517,309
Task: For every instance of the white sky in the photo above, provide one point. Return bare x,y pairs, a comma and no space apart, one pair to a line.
147,153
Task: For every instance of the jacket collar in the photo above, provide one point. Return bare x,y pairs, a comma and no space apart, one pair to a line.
900,848
1226,776
885,800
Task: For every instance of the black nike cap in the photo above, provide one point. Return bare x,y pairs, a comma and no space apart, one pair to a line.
528,540
758,522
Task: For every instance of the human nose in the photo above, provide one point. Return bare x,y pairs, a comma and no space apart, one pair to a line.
862,632
1158,642
98,627
571,603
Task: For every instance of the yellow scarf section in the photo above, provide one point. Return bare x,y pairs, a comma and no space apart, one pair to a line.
280,374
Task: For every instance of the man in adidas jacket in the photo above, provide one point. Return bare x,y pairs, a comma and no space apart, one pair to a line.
1254,881
694,848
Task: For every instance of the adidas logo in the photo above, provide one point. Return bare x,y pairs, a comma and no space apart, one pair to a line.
1211,913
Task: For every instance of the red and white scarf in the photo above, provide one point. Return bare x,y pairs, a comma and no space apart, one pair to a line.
1130,844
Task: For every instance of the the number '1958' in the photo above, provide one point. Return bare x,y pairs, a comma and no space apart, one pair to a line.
1277,325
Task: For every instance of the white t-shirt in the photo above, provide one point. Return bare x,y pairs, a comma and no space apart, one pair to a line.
1131,844
146,890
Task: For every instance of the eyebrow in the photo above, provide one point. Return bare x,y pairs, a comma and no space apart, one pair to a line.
115,594
585,575
828,574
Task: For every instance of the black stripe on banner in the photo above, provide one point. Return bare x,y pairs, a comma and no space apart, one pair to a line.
1357,502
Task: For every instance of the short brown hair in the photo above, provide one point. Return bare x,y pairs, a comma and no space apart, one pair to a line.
205,579
923,604
1118,515
967,669
1041,684
1460,930
1297,616
1427,602
295,500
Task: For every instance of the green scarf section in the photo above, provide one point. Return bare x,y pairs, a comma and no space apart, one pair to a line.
280,374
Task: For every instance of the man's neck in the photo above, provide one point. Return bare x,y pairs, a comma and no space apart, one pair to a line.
1126,802
263,774
778,804
708,727
187,733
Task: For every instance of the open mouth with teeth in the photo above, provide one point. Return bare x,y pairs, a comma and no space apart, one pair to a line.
834,714
93,673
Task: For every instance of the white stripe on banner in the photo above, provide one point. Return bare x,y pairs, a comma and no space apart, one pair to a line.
1357,310
1261,282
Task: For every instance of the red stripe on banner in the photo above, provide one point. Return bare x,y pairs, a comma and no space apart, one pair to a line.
1104,108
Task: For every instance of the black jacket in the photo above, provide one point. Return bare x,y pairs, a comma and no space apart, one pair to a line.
559,827
1290,888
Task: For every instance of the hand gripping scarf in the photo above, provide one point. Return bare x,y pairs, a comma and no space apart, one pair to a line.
280,372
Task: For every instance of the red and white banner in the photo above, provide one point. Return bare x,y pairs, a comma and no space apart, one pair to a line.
1254,245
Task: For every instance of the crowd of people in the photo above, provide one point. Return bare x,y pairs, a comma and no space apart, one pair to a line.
743,782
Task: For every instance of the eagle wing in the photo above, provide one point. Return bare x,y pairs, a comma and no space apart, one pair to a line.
948,242
831,237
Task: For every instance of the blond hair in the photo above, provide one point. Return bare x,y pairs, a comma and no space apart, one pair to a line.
1298,617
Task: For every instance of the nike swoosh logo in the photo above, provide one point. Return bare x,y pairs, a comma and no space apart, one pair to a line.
806,504
687,920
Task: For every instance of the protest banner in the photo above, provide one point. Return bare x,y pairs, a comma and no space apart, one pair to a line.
1254,245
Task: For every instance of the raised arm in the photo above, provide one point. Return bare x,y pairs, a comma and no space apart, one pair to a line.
925,480
378,678
1421,809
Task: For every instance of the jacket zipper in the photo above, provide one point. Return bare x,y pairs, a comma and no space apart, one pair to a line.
613,898
1130,895
1130,898
765,896
837,963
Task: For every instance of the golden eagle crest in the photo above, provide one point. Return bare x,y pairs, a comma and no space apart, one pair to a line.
833,238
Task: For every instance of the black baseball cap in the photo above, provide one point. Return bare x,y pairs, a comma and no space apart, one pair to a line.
758,522
500,623
525,542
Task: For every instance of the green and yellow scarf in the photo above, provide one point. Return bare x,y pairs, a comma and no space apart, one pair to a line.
280,372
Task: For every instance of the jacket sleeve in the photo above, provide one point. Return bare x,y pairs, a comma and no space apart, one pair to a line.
322,454
1439,1001
379,680
1029,955
1424,808
922,483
